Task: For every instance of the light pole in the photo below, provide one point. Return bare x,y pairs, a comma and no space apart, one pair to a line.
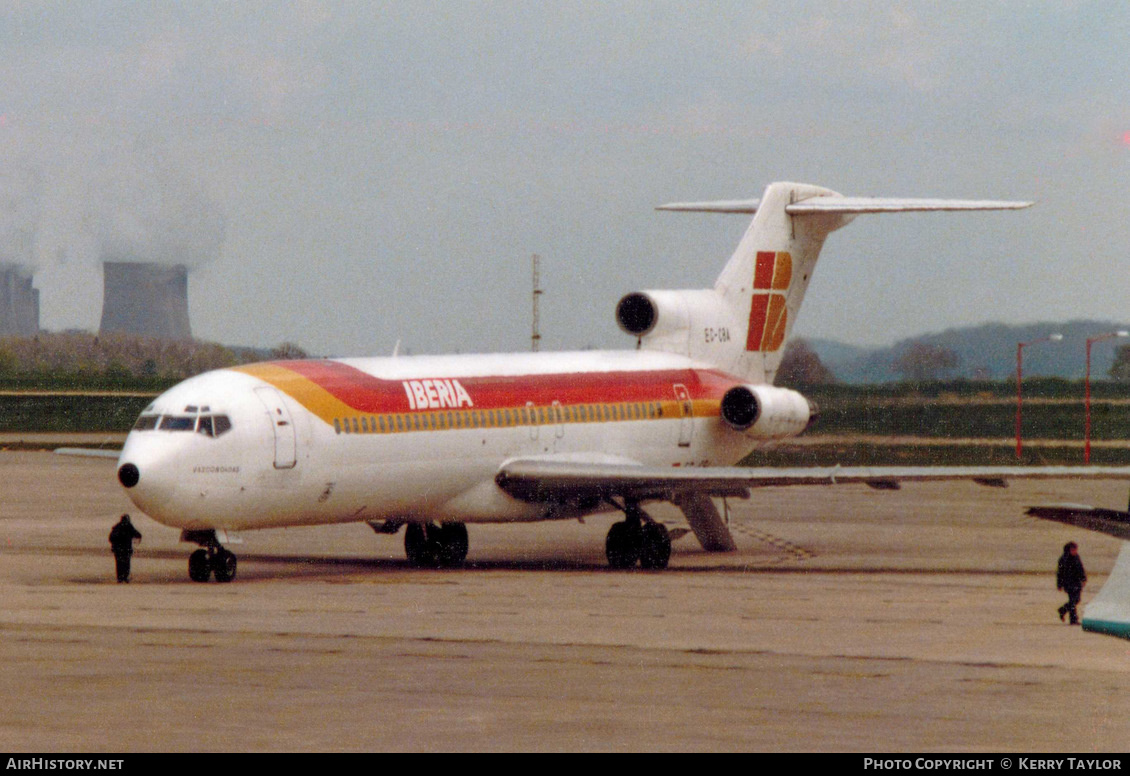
1087,390
1020,376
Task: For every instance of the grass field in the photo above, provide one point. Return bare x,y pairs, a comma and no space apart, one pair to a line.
70,412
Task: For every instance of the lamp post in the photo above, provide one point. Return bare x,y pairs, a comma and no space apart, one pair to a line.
1087,390
1020,376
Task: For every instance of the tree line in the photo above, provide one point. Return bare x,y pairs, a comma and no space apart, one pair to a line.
920,362
83,359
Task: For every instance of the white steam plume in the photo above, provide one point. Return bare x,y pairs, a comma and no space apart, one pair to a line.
144,213
19,217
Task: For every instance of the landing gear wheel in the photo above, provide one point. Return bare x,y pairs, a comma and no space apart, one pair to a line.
199,567
655,546
434,545
421,549
223,565
451,539
623,545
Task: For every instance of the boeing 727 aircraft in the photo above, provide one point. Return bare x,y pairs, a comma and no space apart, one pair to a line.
432,443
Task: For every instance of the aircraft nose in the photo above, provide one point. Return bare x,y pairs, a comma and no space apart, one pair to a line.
147,469
128,475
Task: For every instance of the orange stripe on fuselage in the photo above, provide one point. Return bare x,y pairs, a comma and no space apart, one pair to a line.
310,394
330,389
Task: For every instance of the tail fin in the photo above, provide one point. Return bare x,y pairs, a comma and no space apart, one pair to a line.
762,286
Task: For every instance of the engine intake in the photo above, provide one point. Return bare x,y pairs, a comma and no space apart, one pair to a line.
637,314
766,412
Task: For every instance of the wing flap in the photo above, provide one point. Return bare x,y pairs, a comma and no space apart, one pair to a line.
745,206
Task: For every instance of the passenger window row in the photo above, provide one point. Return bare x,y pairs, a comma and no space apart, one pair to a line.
521,416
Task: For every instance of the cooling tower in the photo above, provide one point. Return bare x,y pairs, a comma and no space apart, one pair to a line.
150,300
19,303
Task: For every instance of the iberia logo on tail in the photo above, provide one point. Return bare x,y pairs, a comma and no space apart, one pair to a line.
768,315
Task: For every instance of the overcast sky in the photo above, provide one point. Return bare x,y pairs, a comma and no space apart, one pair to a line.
372,172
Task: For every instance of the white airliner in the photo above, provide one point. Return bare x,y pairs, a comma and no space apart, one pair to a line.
432,443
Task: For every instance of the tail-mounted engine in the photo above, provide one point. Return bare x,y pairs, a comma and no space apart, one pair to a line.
767,412
690,322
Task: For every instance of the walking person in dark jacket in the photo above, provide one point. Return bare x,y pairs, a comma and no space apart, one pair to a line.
1070,578
122,537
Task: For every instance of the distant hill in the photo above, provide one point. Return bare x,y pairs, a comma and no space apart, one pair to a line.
985,352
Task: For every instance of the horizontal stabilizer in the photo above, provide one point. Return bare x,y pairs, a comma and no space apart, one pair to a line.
854,205
747,206
848,205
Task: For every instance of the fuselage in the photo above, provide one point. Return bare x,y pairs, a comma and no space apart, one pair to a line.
412,438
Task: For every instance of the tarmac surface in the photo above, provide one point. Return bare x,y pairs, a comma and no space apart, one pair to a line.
848,620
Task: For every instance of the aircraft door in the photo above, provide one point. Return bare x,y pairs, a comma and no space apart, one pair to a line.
282,426
533,420
686,422
558,417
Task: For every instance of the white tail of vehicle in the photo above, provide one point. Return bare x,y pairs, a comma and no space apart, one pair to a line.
743,324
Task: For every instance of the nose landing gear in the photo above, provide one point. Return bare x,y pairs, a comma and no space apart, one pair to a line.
212,560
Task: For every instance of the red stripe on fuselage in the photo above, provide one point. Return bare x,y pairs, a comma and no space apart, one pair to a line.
367,394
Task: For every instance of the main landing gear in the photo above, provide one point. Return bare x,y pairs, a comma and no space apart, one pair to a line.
435,544
212,560
637,539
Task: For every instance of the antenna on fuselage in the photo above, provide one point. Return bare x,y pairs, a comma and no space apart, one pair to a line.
396,349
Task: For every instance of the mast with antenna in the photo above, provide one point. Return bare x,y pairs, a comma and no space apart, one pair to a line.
535,337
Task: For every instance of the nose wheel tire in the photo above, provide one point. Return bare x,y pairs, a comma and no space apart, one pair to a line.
206,563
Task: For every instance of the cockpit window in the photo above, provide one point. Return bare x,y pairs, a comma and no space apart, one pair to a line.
222,424
214,425
208,425
146,423
177,423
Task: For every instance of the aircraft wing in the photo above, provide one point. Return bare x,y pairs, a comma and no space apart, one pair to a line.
581,482
1108,521
88,452
545,479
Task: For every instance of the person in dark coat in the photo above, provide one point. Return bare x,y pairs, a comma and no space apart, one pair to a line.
1070,578
122,537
